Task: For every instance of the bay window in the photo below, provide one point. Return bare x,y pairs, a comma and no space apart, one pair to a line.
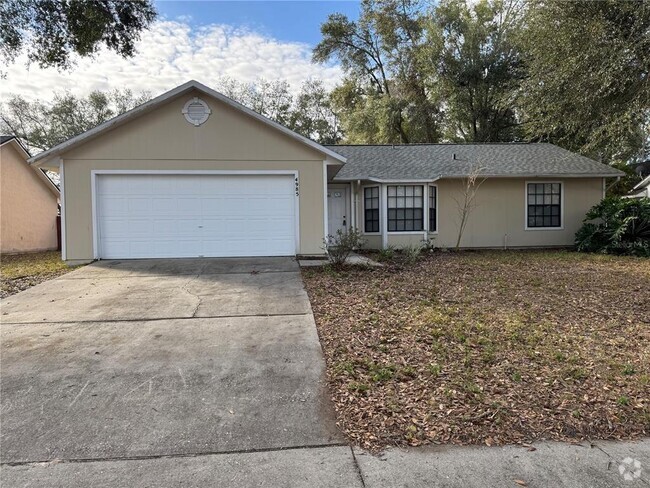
405,208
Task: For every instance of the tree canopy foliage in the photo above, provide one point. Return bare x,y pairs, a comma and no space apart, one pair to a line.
308,112
588,84
50,31
571,73
478,67
42,125
385,97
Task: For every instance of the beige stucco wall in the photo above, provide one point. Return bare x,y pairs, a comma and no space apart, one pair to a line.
28,208
164,140
499,211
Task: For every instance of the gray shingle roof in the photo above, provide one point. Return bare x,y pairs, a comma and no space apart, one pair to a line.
429,161
4,139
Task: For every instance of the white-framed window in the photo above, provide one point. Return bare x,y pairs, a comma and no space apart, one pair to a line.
405,208
371,213
544,205
433,208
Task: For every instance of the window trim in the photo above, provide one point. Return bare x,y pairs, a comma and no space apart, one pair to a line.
424,207
429,186
363,209
561,226
204,116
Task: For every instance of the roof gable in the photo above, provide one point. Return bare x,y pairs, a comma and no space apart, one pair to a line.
167,97
23,155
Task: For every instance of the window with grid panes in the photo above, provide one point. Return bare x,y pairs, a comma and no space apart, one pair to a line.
405,208
544,205
432,208
371,209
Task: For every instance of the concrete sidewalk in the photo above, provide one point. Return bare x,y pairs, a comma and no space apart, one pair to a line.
549,465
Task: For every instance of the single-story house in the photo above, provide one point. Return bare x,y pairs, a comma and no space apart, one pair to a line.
193,173
641,189
28,202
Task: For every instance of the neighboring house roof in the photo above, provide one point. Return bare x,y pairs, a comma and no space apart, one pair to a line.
641,189
644,183
431,161
4,139
165,97
23,150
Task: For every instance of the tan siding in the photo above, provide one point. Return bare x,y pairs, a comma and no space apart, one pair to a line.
405,240
227,135
500,211
372,241
164,140
28,208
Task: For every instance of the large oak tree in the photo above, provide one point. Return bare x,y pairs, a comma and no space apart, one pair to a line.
588,86
51,31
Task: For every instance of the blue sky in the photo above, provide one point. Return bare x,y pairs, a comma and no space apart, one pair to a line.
297,21
208,41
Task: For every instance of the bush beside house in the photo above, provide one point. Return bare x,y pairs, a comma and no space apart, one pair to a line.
617,226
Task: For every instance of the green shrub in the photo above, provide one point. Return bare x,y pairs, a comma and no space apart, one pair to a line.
386,254
617,226
340,246
411,253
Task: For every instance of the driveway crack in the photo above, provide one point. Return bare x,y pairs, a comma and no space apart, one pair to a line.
357,467
199,300
173,455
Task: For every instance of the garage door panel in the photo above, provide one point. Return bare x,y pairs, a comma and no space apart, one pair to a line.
187,206
114,205
175,248
138,205
170,215
163,186
186,227
139,227
114,228
164,206
135,187
215,206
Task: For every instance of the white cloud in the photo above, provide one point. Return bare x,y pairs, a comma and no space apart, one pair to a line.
169,54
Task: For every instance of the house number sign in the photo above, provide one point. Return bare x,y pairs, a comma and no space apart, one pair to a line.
297,187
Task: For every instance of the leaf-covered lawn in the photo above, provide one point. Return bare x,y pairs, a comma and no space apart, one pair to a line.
21,271
487,347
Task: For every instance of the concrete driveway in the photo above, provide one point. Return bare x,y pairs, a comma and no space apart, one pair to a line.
154,358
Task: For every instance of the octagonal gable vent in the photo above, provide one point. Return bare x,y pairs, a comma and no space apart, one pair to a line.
196,111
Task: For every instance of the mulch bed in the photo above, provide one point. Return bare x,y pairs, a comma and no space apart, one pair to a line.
487,348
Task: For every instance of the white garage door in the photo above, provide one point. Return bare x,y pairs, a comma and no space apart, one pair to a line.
170,215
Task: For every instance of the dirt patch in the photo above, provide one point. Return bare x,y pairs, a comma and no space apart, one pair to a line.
21,271
487,348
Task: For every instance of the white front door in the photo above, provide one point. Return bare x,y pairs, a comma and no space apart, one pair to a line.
338,203
184,215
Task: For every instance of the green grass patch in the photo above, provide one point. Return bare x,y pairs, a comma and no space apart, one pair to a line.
14,266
